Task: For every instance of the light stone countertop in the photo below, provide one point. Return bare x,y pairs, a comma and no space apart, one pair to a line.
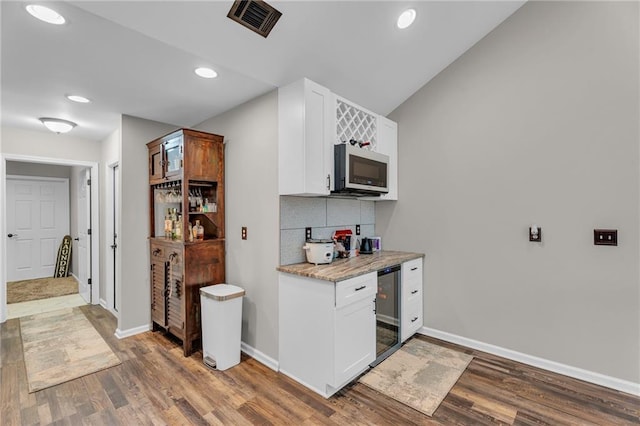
342,269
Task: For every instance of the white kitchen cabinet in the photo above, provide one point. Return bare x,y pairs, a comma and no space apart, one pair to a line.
327,330
305,135
412,296
388,145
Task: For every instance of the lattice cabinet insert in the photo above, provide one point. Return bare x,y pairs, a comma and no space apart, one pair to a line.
355,123
186,180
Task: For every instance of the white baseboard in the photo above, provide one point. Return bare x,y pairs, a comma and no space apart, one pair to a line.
103,303
545,364
259,356
121,334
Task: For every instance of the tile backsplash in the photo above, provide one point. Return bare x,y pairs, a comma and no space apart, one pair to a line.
324,216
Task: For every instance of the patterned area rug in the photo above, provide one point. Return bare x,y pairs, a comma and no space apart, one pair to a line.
60,346
419,375
41,288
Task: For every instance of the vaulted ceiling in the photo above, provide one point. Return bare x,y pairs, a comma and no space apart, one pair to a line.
138,57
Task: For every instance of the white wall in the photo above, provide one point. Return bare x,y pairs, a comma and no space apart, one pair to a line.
110,152
133,293
537,123
251,173
77,175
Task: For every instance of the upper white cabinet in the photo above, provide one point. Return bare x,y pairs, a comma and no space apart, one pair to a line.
311,120
305,150
388,145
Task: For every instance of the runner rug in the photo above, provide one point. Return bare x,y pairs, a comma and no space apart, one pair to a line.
419,374
40,288
60,346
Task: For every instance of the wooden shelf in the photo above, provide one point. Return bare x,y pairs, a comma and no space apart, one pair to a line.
180,267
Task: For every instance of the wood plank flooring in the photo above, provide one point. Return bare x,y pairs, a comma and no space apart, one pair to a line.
156,385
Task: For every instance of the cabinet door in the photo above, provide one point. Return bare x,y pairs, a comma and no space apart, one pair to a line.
355,340
175,293
156,171
305,142
158,290
173,149
204,158
388,145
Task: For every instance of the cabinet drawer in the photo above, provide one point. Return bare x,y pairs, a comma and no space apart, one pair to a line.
411,291
412,271
357,288
411,318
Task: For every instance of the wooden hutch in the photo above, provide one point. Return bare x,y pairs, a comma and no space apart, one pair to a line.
186,177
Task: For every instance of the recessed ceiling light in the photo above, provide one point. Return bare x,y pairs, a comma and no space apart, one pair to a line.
406,18
58,125
45,14
206,72
79,99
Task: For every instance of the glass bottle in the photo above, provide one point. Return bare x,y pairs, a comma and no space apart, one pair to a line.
168,226
199,231
178,228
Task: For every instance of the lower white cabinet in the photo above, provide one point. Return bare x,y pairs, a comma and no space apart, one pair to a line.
411,308
327,330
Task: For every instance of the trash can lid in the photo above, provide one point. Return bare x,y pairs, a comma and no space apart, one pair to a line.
222,291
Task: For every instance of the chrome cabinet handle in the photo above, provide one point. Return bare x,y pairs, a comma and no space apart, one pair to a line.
329,182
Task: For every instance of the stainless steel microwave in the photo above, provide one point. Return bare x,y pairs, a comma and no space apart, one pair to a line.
359,171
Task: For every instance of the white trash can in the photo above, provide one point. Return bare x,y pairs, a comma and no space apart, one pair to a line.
221,325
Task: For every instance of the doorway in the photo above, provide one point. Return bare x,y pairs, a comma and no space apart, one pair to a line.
43,251
37,221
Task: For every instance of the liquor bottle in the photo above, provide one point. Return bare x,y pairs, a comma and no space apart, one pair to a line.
178,227
199,231
168,226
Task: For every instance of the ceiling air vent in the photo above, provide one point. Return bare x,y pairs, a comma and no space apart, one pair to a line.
256,15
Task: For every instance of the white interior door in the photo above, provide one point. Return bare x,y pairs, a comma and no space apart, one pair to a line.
37,221
84,238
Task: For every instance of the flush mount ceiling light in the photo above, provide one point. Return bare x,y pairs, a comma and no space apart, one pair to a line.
45,14
406,18
57,125
78,98
206,72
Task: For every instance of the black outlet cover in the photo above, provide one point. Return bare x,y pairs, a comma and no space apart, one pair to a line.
307,233
605,237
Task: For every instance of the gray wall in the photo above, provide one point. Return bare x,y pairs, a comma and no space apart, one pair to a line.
38,169
251,189
537,123
133,288
324,216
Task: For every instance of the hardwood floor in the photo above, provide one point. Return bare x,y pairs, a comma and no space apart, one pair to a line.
155,384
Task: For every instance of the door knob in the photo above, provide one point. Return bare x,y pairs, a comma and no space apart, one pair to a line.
12,235
76,239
